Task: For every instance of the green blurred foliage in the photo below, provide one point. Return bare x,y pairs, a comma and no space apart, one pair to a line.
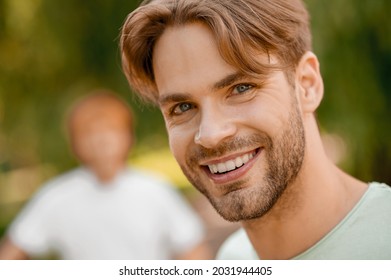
52,52
353,42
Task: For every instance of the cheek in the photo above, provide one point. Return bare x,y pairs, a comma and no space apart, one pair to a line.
84,154
265,115
179,140
104,145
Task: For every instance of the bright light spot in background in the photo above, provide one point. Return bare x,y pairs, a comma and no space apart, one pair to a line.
335,147
163,163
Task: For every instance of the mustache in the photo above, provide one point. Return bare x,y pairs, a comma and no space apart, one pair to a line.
199,152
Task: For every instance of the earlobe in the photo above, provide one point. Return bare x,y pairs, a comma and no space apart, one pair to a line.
310,82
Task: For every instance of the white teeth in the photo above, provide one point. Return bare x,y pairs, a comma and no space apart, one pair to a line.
221,167
245,158
238,162
213,168
230,164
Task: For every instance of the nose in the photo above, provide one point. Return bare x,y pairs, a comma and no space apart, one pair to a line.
215,125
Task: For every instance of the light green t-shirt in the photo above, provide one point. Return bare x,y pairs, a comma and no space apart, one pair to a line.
364,234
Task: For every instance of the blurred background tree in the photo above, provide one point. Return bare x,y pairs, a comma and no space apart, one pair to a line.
52,52
353,42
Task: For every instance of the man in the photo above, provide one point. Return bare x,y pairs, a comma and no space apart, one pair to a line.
104,209
238,87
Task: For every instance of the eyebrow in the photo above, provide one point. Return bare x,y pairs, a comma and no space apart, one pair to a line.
228,80
181,97
173,98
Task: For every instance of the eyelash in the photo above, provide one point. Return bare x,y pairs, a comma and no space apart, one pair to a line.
177,106
248,87
172,112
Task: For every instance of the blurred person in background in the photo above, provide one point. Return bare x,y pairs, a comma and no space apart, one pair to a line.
238,86
105,209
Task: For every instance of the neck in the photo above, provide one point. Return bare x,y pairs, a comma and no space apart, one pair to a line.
319,198
107,173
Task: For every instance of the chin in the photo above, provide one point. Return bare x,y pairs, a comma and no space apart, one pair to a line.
245,203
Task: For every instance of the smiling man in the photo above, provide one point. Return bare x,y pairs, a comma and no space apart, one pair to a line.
238,87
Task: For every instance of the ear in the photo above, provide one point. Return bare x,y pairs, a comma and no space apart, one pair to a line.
310,83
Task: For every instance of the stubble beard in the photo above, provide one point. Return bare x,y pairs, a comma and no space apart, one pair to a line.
283,156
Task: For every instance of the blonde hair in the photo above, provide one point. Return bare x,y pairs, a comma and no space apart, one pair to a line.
242,28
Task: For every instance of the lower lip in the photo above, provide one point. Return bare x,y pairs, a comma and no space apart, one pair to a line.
235,174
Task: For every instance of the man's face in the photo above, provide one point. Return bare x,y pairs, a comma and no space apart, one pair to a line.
101,143
238,139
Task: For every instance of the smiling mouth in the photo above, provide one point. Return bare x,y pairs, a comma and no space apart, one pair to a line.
232,164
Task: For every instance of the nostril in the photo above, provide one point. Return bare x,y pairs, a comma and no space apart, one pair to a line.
213,137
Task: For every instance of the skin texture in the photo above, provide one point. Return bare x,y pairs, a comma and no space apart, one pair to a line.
214,114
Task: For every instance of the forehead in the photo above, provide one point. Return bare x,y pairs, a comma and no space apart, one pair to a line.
190,36
187,55
95,115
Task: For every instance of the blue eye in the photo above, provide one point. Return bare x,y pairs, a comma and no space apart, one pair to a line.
181,108
242,88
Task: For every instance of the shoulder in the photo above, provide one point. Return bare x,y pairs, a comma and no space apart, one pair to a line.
377,198
237,247
67,179
378,191
380,187
56,188
146,179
